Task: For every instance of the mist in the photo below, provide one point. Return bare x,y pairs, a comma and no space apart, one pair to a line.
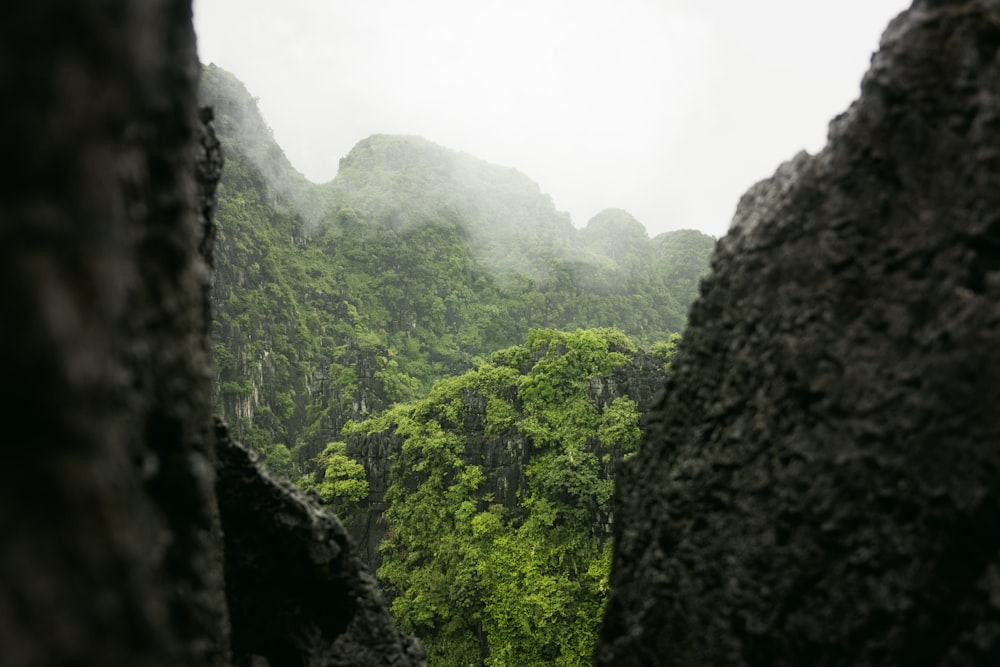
669,110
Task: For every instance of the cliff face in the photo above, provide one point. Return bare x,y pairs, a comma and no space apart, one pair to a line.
113,548
821,483
334,302
296,589
502,455
106,500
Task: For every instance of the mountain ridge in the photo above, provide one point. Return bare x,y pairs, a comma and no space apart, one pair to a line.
238,118
415,263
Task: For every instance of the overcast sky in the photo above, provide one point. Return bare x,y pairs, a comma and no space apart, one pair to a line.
669,109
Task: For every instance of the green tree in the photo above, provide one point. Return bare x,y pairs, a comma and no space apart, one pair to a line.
487,584
339,480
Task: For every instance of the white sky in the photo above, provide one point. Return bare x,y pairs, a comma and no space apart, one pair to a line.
669,109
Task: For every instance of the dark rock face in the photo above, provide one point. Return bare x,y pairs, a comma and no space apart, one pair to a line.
297,592
821,484
112,543
107,509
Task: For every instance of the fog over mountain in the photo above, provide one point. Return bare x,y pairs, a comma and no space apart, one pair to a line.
669,110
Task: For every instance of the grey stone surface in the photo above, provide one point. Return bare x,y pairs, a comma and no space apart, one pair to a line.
110,533
112,545
821,483
298,593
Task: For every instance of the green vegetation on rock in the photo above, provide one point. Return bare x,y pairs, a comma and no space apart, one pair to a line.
395,340
486,583
333,302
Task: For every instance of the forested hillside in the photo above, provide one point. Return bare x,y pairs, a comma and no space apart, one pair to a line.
333,302
489,501
395,341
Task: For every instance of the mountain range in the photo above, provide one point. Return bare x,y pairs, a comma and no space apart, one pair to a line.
334,301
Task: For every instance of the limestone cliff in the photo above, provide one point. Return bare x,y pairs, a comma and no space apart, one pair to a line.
821,482
107,508
502,455
113,549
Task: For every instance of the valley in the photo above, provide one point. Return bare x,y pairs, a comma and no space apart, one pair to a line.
434,350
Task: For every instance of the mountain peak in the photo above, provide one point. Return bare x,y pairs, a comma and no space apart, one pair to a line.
247,137
399,180
618,221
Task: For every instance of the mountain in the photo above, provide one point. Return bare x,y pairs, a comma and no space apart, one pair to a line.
617,236
499,481
332,302
248,139
820,484
398,181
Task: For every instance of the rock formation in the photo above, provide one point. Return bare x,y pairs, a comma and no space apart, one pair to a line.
107,506
503,457
821,483
112,541
297,591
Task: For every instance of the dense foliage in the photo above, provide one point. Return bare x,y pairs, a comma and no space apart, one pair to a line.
357,308
334,302
485,583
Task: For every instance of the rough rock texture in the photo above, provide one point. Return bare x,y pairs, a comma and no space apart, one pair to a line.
821,484
112,549
298,594
107,514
